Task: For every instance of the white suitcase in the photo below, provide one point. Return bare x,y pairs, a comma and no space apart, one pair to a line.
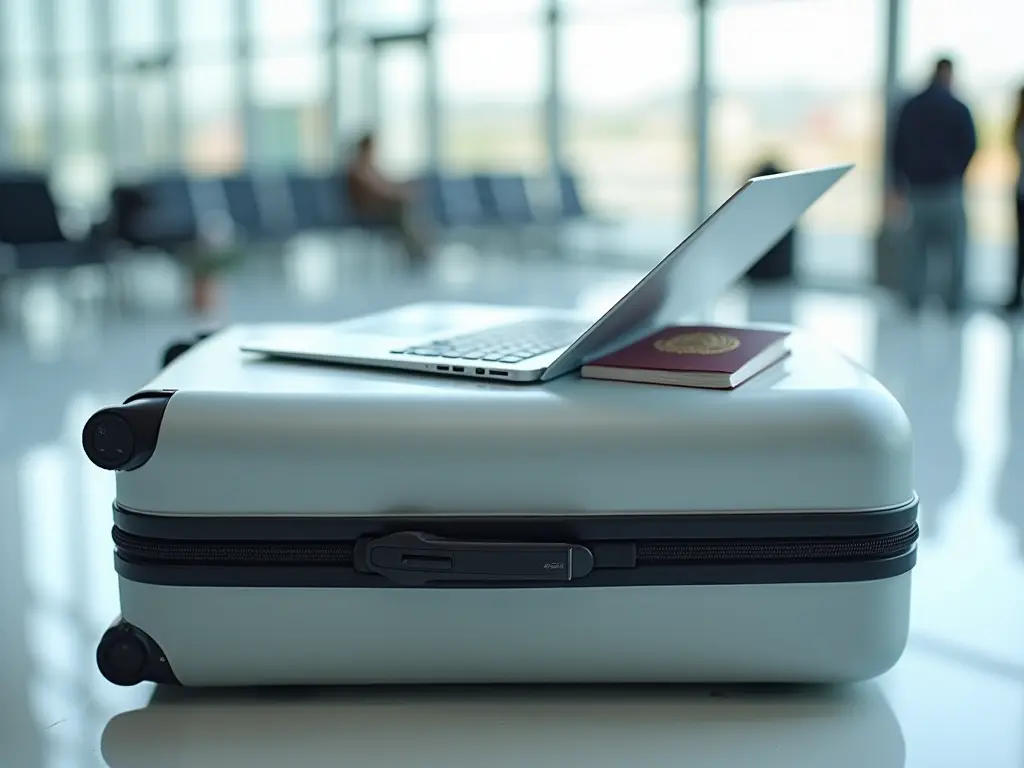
278,523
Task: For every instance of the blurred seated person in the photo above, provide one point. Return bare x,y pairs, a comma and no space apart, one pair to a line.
378,201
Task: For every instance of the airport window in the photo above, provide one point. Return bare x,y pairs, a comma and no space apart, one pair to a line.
76,27
213,140
627,124
490,15
138,28
22,33
388,17
799,84
208,25
290,119
492,113
300,28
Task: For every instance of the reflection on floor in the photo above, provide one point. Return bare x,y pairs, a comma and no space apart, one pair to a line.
958,695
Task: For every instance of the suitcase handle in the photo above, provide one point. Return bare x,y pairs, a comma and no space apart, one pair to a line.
413,559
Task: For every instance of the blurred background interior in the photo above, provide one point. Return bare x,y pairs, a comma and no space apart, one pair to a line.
561,148
629,120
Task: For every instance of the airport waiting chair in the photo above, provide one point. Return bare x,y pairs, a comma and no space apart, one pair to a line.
454,202
317,203
161,213
277,211
570,203
32,240
30,230
510,211
242,205
578,231
504,200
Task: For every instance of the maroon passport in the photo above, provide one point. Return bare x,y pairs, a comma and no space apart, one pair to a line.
717,357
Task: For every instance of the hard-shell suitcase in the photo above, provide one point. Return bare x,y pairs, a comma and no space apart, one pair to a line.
278,523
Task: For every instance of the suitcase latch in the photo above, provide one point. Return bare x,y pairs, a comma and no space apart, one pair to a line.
413,559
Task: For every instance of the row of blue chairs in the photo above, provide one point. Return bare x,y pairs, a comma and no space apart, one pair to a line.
173,210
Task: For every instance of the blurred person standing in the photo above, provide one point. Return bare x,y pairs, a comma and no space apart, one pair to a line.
378,201
1017,137
935,140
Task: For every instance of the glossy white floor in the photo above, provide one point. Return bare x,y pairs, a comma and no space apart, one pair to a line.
956,698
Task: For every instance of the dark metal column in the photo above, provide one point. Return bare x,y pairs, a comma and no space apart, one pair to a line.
52,112
891,90
553,103
171,75
701,114
432,88
244,25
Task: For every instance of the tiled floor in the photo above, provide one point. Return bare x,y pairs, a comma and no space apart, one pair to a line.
956,698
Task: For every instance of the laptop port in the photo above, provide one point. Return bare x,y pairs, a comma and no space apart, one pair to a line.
498,373
442,367
458,368
480,371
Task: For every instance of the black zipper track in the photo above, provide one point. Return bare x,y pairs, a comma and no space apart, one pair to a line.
165,552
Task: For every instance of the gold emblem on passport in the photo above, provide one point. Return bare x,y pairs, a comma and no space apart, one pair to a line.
698,343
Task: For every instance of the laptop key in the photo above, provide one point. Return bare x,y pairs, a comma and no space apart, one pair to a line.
511,359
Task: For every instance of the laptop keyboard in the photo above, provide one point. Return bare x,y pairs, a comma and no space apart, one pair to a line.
511,343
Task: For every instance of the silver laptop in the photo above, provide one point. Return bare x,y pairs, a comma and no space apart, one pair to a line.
525,344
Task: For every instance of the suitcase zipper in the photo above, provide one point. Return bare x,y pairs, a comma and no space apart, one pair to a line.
861,547
416,558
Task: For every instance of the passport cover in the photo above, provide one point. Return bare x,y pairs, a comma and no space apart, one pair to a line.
695,349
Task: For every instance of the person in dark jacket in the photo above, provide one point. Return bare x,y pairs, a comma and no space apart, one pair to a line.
935,140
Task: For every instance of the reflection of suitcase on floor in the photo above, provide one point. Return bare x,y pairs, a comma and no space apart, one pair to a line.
891,244
297,524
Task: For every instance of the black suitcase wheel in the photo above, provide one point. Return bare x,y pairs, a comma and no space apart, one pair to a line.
179,348
128,656
124,437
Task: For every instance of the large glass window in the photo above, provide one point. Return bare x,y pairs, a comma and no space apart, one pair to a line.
26,115
355,107
138,28
388,17
212,133
145,140
210,88
22,29
400,111
143,86
294,25
490,15
628,73
24,84
800,84
492,87
984,39
80,169
290,121
382,80
79,164
75,27
207,25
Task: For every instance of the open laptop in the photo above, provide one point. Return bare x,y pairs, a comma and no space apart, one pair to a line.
525,344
